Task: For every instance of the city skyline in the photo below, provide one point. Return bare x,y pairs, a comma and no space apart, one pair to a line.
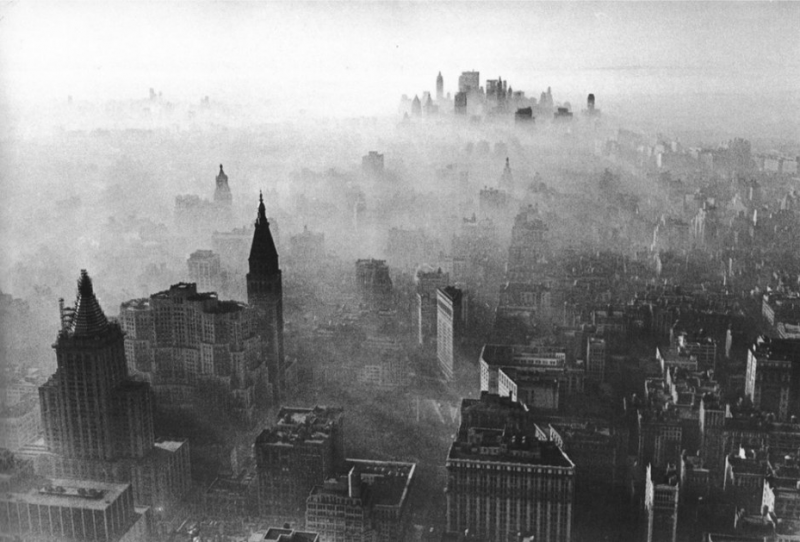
399,272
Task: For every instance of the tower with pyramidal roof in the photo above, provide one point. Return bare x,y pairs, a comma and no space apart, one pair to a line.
98,420
265,292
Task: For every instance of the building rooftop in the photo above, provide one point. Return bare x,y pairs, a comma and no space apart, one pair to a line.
297,425
594,430
664,476
776,349
141,304
452,293
72,493
390,481
169,445
506,446
287,535
523,377
202,254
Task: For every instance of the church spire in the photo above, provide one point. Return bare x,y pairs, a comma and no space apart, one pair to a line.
263,254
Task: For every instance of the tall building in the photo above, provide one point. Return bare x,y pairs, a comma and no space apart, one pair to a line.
661,503
661,437
460,102
193,213
416,107
372,163
503,480
373,282
427,285
222,194
307,247
205,270
507,178
439,87
196,350
469,82
772,379
73,511
304,448
450,321
98,422
265,293
80,407
528,246
596,358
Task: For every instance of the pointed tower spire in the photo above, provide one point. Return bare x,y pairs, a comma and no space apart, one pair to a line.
507,179
263,254
89,318
265,293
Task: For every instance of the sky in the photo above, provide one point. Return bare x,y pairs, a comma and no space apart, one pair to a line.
361,56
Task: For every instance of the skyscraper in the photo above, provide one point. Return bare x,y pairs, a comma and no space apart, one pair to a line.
205,270
439,87
222,194
661,503
772,380
425,319
450,319
195,350
82,405
469,82
265,293
507,178
98,422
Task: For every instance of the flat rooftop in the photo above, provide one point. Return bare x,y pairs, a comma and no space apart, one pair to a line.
777,349
295,425
72,494
390,481
500,446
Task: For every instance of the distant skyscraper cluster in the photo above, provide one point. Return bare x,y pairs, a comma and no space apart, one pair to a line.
494,99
